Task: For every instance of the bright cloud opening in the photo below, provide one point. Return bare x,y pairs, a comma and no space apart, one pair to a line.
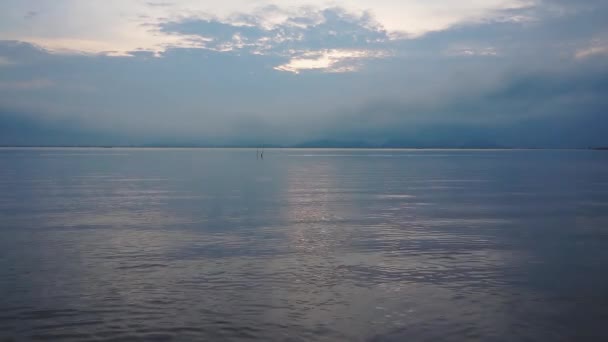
333,61
115,28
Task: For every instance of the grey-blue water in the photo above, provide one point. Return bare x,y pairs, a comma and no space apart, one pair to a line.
305,245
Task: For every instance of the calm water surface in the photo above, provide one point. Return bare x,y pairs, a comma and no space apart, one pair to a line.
323,245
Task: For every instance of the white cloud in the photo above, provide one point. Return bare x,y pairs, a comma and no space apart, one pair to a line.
593,50
472,51
335,61
332,40
115,27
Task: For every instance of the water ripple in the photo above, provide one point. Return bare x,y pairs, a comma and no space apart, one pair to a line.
337,246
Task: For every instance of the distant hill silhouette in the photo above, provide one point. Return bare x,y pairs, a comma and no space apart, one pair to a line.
329,143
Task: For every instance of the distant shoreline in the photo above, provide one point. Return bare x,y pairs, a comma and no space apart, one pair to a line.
308,148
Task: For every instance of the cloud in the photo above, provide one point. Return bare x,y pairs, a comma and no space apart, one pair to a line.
119,26
160,4
22,129
5,61
472,51
332,61
332,40
31,14
526,76
566,109
26,85
596,49
330,28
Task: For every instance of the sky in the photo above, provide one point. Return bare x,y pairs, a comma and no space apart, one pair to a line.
417,73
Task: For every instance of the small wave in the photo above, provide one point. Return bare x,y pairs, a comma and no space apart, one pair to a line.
143,266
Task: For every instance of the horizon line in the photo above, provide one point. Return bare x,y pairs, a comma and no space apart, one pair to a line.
302,147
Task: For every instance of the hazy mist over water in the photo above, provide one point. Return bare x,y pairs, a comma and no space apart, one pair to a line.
325,245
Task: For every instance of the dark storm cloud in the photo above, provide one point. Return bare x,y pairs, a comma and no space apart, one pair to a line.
533,110
23,129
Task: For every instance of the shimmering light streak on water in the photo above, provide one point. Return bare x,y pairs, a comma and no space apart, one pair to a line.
352,245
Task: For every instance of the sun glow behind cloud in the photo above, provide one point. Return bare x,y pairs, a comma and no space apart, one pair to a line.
245,71
332,61
331,40
118,28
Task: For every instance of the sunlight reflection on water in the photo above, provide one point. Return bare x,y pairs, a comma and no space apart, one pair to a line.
214,244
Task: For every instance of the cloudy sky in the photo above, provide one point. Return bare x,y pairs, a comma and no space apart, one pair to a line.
518,73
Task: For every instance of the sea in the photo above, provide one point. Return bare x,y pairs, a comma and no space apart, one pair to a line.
170,244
